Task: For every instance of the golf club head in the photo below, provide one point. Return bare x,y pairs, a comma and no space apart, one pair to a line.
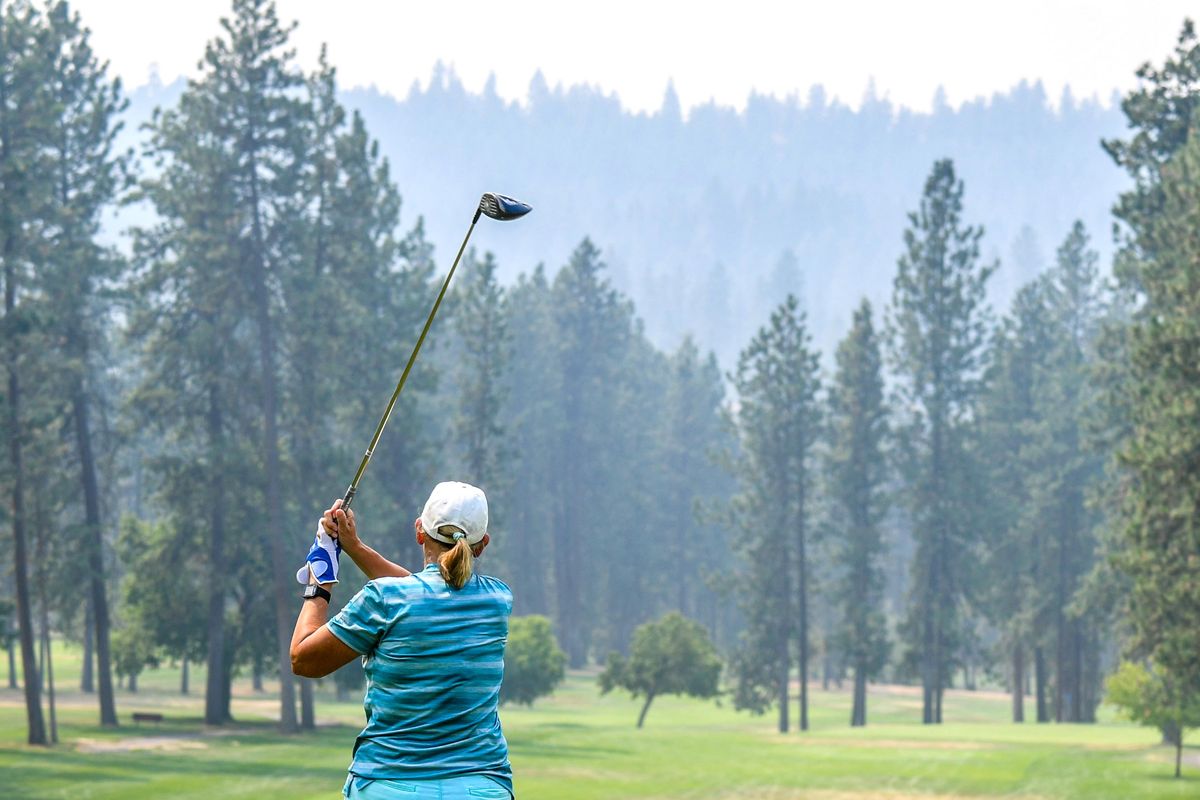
497,206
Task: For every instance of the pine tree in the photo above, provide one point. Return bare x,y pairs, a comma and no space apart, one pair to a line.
76,270
253,79
1014,592
198,386
24,127
592,325
857,475
937,325
1159,544
691,432
779,421
531,417
1061,491
483,331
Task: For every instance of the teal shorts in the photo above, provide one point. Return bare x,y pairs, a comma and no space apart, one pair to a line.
467,787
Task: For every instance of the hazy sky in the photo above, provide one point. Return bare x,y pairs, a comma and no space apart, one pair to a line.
719,51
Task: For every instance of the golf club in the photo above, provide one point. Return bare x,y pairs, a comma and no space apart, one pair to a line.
496,206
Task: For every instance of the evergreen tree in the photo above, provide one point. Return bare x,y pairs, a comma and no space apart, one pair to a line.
24,128
779,420
691,433
76,271
857,475
1160,536
252,78
592,328
531,418
201,384
483,331
1060,492
937,325
161,595
1017,588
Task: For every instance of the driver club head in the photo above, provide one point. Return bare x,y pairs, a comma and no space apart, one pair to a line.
501,207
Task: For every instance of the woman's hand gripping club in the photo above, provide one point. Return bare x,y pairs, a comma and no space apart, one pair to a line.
337,532
322,561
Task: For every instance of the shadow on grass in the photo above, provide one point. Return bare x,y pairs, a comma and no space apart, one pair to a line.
36,766
253,751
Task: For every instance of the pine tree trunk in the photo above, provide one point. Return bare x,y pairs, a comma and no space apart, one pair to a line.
1179,754
645,708
1061,678
257,674
227,689
12,662
566,586
803,632
95,545
784,674
929,654
1018,682
858,715
783,597
1039,681
306,462
48,671
183,677
1076,705
133,683
33,701
216,708
308,718
87,683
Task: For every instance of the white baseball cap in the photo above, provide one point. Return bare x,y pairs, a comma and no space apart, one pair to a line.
458,504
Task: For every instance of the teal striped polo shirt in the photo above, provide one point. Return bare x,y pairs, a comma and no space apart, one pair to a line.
434,660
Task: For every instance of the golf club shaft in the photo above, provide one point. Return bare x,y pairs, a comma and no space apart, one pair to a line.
348,498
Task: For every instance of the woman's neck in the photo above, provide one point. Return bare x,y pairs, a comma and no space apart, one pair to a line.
432,554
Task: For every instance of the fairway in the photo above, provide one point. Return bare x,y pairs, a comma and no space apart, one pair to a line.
578,744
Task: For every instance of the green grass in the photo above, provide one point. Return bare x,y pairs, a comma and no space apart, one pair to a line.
580,745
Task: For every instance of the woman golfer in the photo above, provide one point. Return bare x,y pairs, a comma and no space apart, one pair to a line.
433,651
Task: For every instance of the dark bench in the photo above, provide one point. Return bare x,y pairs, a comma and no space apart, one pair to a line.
145,716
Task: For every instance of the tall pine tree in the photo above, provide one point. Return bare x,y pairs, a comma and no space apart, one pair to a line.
779,421
24,194
857,475
937,325
77,271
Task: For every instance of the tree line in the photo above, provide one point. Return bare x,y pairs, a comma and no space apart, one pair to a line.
952,498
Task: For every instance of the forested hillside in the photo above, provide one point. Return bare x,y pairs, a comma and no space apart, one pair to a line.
709,218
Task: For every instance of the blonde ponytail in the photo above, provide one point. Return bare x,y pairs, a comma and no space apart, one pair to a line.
457,563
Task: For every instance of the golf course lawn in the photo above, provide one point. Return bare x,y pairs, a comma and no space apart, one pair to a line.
578,744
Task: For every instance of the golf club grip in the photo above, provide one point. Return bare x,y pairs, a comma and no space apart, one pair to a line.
348,498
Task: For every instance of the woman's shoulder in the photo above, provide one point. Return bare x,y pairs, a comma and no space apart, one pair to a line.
488,583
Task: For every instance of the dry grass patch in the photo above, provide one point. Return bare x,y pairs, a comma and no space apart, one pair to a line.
162,744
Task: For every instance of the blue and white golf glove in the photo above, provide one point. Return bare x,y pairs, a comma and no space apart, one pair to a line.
322,558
